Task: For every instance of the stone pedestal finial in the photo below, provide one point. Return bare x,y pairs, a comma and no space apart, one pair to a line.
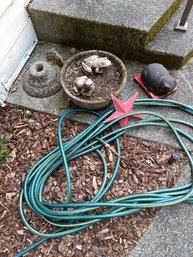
42,80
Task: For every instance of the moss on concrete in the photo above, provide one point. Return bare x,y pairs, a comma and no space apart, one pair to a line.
88,34
124,42
162,21
170,61
187,58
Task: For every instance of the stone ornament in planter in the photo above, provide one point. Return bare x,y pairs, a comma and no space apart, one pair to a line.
89,78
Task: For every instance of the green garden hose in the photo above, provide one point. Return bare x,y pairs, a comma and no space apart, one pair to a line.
70,217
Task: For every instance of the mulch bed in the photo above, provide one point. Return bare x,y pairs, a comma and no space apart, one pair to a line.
144,167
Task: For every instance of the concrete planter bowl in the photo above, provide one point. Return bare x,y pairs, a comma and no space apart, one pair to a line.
93,104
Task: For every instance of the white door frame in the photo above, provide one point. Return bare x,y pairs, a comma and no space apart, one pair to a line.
16,43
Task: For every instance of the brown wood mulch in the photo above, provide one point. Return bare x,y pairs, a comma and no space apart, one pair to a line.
144,167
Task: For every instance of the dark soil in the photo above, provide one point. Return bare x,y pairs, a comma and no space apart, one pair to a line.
144,167
106,83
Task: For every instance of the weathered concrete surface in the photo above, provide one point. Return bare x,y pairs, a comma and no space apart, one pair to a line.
54,104
136,15
116,26
170,233
170,47
58,102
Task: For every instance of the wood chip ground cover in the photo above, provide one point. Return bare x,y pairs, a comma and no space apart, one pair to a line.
144,167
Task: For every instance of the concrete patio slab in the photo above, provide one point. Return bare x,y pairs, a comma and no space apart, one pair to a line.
57,103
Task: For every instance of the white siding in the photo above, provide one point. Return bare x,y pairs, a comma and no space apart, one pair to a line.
17,41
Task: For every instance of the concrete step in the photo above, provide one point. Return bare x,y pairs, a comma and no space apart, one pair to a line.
123,27
170,47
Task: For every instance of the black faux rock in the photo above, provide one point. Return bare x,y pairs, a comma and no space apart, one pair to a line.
157,79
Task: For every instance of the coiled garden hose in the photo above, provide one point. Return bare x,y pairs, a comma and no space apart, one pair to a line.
70,217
